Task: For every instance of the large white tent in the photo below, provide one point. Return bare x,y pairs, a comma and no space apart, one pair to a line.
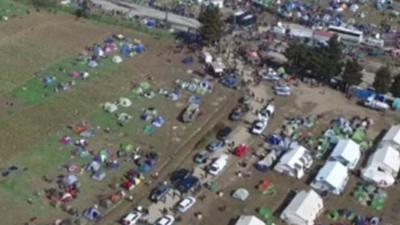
392,137
346,152
332,177
303,209
295,162
249,220
383,166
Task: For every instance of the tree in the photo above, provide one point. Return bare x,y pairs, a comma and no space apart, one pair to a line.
395,89
352,73
212,25
83,9
382,80
44,3
329,60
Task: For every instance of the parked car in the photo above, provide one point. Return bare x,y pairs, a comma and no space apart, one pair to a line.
215,145
160,192
180,174
258,126
132,218
218,165
224,133
186,203
165,220
201,157
236,114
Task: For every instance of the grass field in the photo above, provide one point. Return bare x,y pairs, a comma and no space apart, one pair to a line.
33,124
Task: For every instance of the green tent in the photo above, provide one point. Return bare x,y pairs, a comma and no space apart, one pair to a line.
265,213
149,129
358,135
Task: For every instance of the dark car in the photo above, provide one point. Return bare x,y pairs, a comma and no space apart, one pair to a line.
224,133
160,192
180,174
190,183
201,157
236,114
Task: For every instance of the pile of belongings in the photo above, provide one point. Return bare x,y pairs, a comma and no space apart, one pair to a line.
147,164
199,87
368,194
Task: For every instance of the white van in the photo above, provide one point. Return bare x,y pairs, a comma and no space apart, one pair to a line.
218,165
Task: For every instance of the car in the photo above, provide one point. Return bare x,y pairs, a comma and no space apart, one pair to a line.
236,114
201,157
241,150
245,100
165,220
258,126
186,203
215,145
218,165
160,192
180,174
224,133
188,184
132,218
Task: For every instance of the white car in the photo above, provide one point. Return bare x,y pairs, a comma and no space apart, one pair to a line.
186,204
218,165
165,220
258,126
132,218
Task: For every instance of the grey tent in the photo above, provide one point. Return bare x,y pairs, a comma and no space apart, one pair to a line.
69,180
241,194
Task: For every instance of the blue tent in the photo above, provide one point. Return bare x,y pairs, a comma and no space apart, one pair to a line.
92,214
274,139
139,48
396,104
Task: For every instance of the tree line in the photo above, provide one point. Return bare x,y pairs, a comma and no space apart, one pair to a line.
326,62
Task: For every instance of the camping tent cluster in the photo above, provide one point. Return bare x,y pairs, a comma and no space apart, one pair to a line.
384,165
97,54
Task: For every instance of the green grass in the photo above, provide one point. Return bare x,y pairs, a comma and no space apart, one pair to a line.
9,8
34,91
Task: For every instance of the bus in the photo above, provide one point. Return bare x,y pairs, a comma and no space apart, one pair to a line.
347,35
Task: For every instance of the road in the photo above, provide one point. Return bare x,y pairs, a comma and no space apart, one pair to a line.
142,11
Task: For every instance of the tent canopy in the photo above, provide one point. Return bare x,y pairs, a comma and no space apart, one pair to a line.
249,220
333,173
306,205
393,135
241,194
347,152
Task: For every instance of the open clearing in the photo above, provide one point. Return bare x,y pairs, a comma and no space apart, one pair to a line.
30,132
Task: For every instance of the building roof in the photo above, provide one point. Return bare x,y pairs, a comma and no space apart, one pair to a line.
293,156
387,156
393,135
249,220
348,150
334,173
305,205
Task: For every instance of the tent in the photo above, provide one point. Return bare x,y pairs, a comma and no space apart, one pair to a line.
396,104
346,152
117,59
290,161
241,194
124,102
249,220
110,107
70,180
241,150
332,177
392,136
383,166
305,207
92,214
